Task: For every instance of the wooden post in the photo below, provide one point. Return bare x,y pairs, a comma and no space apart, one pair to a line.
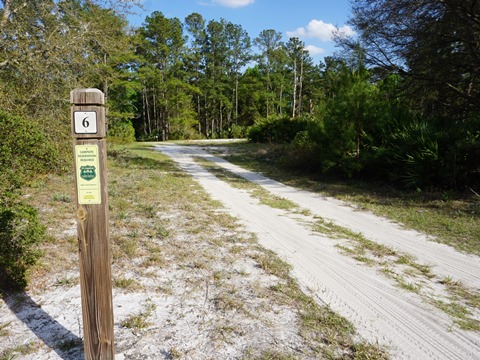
89,131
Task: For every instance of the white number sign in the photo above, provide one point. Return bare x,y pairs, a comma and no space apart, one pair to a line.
85,122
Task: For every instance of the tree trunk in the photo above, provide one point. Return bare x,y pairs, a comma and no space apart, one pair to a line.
294,88
149,120
269,89
221,115
206,115
300,85
198,115
155,112
281,100
358,129
165,127
236,98
144,114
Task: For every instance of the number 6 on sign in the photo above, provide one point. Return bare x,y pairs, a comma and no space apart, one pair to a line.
85,122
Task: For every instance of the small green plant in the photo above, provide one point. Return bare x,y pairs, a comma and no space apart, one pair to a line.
20,234
67,281
61,197
155,259
140,321
149,210
129,245
461,314
272,264
228,301
124,283
12,353
174,353
408,285
161,231
136,322
4,329
122,215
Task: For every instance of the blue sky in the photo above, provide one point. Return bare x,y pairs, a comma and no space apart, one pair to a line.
310,20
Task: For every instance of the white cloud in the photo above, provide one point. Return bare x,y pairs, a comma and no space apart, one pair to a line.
233,3
315,50
320,30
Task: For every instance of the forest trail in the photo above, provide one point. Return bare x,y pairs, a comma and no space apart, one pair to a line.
380,310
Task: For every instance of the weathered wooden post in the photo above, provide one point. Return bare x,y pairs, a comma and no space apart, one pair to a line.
89,131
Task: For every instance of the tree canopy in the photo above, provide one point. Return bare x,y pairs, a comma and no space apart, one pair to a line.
435,43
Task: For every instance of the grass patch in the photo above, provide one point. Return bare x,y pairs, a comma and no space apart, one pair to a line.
461,302
460,313
67,281
272,264
321,324
269,355
125,283
62,197
25,349
236,181
4,329
408,285
138,322
228,301
360,244
457,290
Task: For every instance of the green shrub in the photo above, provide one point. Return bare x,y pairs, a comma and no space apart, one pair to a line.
183,129
20,234
120,129
236,132
25,151
302,153
276,130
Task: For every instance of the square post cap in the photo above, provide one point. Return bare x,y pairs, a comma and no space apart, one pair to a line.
87,97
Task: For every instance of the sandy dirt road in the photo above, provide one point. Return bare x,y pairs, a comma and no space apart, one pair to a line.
381,312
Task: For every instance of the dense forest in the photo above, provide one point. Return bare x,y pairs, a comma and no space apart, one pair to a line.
399,103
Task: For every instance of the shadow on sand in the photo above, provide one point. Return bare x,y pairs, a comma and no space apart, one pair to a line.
53,334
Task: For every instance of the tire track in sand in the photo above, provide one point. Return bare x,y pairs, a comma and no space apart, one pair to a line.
380,311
